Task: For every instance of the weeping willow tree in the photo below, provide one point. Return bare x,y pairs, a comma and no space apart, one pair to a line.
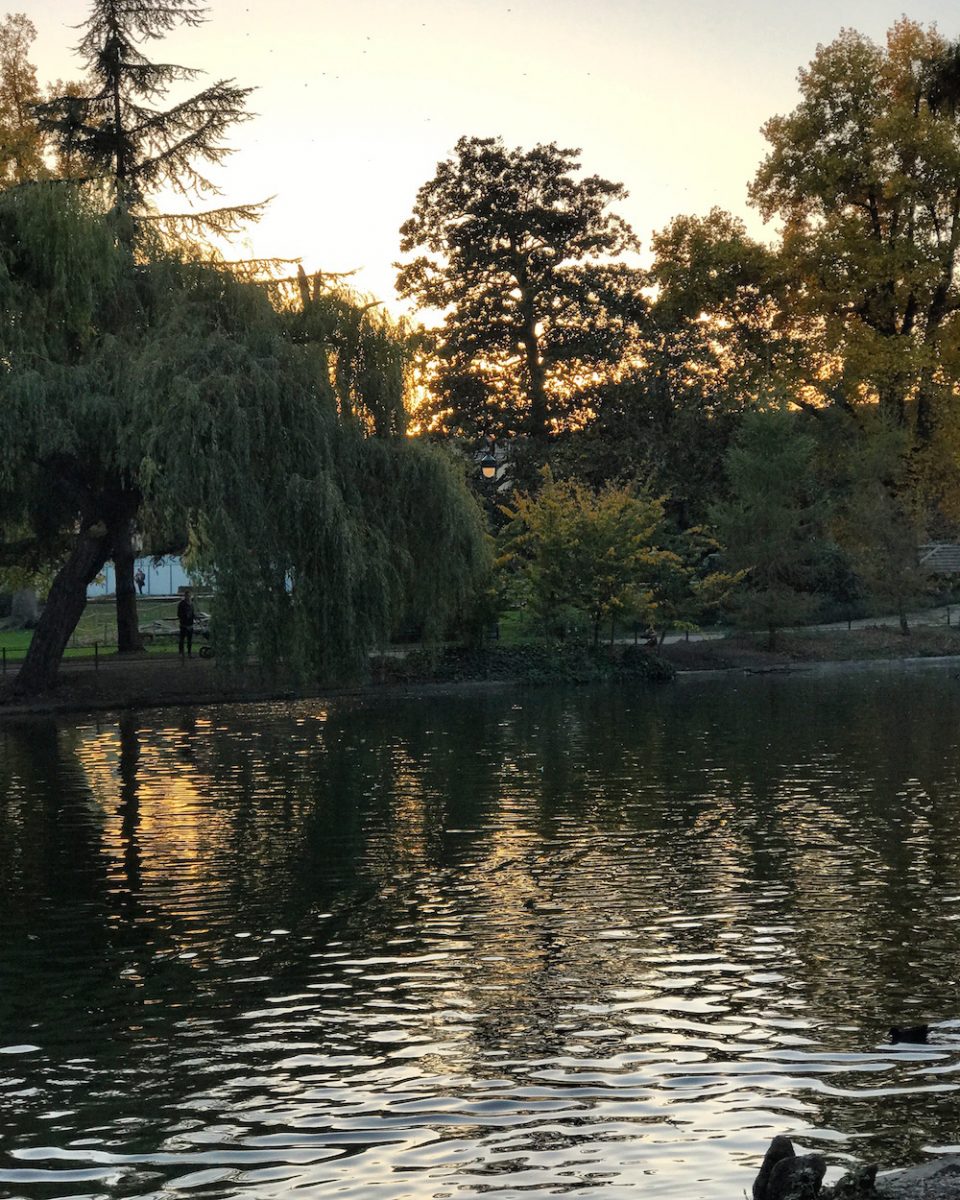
114,129
200,411
365,353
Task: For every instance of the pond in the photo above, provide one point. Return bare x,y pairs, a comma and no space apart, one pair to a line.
602,942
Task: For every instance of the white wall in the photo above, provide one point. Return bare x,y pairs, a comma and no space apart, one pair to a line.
162,580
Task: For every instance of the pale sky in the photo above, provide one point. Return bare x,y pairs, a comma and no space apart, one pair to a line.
359,99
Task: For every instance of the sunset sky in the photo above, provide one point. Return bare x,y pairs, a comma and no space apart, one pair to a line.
358,101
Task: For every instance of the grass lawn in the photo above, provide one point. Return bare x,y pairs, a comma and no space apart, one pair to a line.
98,624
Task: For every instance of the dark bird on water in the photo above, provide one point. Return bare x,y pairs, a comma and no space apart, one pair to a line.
909,1033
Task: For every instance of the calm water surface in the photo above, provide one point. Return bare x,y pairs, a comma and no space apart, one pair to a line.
605,943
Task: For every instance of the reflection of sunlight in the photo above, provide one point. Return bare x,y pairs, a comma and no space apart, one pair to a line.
167,840
164,807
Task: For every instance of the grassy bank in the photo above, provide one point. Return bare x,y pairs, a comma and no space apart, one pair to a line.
745,651
97,626
159,678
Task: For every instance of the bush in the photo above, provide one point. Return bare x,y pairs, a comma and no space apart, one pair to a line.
535,663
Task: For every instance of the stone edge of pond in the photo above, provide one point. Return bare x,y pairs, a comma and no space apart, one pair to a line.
938,1179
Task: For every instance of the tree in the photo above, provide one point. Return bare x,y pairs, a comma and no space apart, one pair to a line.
21,142
707,352
687,587
879,521
577,552
117,131
865,175
941,80
517,254
366,354
204,415
772,527
24,157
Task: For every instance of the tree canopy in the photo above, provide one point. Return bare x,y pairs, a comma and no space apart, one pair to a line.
199,412
865,175
705,354
111,130
518,255
115,127
773,525
21,142
605,555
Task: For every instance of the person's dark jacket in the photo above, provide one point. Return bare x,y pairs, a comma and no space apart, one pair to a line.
185,613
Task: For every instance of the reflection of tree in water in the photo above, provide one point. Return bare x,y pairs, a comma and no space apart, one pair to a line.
49,828
854,817
63,942
129,806
729,813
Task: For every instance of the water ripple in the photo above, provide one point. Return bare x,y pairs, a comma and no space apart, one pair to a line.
598,943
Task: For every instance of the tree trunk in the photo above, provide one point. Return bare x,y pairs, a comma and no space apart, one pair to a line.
537,376
892,403
65,604
124,562
925,419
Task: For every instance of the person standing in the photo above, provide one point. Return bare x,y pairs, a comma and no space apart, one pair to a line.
140,579
186,616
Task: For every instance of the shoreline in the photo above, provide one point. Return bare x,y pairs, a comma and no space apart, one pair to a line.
53,707
837,666
158,684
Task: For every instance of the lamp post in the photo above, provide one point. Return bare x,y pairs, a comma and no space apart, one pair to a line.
492,465
489,457
488,467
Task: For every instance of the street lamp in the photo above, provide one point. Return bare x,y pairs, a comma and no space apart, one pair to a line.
488,467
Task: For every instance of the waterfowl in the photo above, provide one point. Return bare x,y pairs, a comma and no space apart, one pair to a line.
909,1033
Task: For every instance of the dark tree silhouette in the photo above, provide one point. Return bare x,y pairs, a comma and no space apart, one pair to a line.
518,255
942,81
